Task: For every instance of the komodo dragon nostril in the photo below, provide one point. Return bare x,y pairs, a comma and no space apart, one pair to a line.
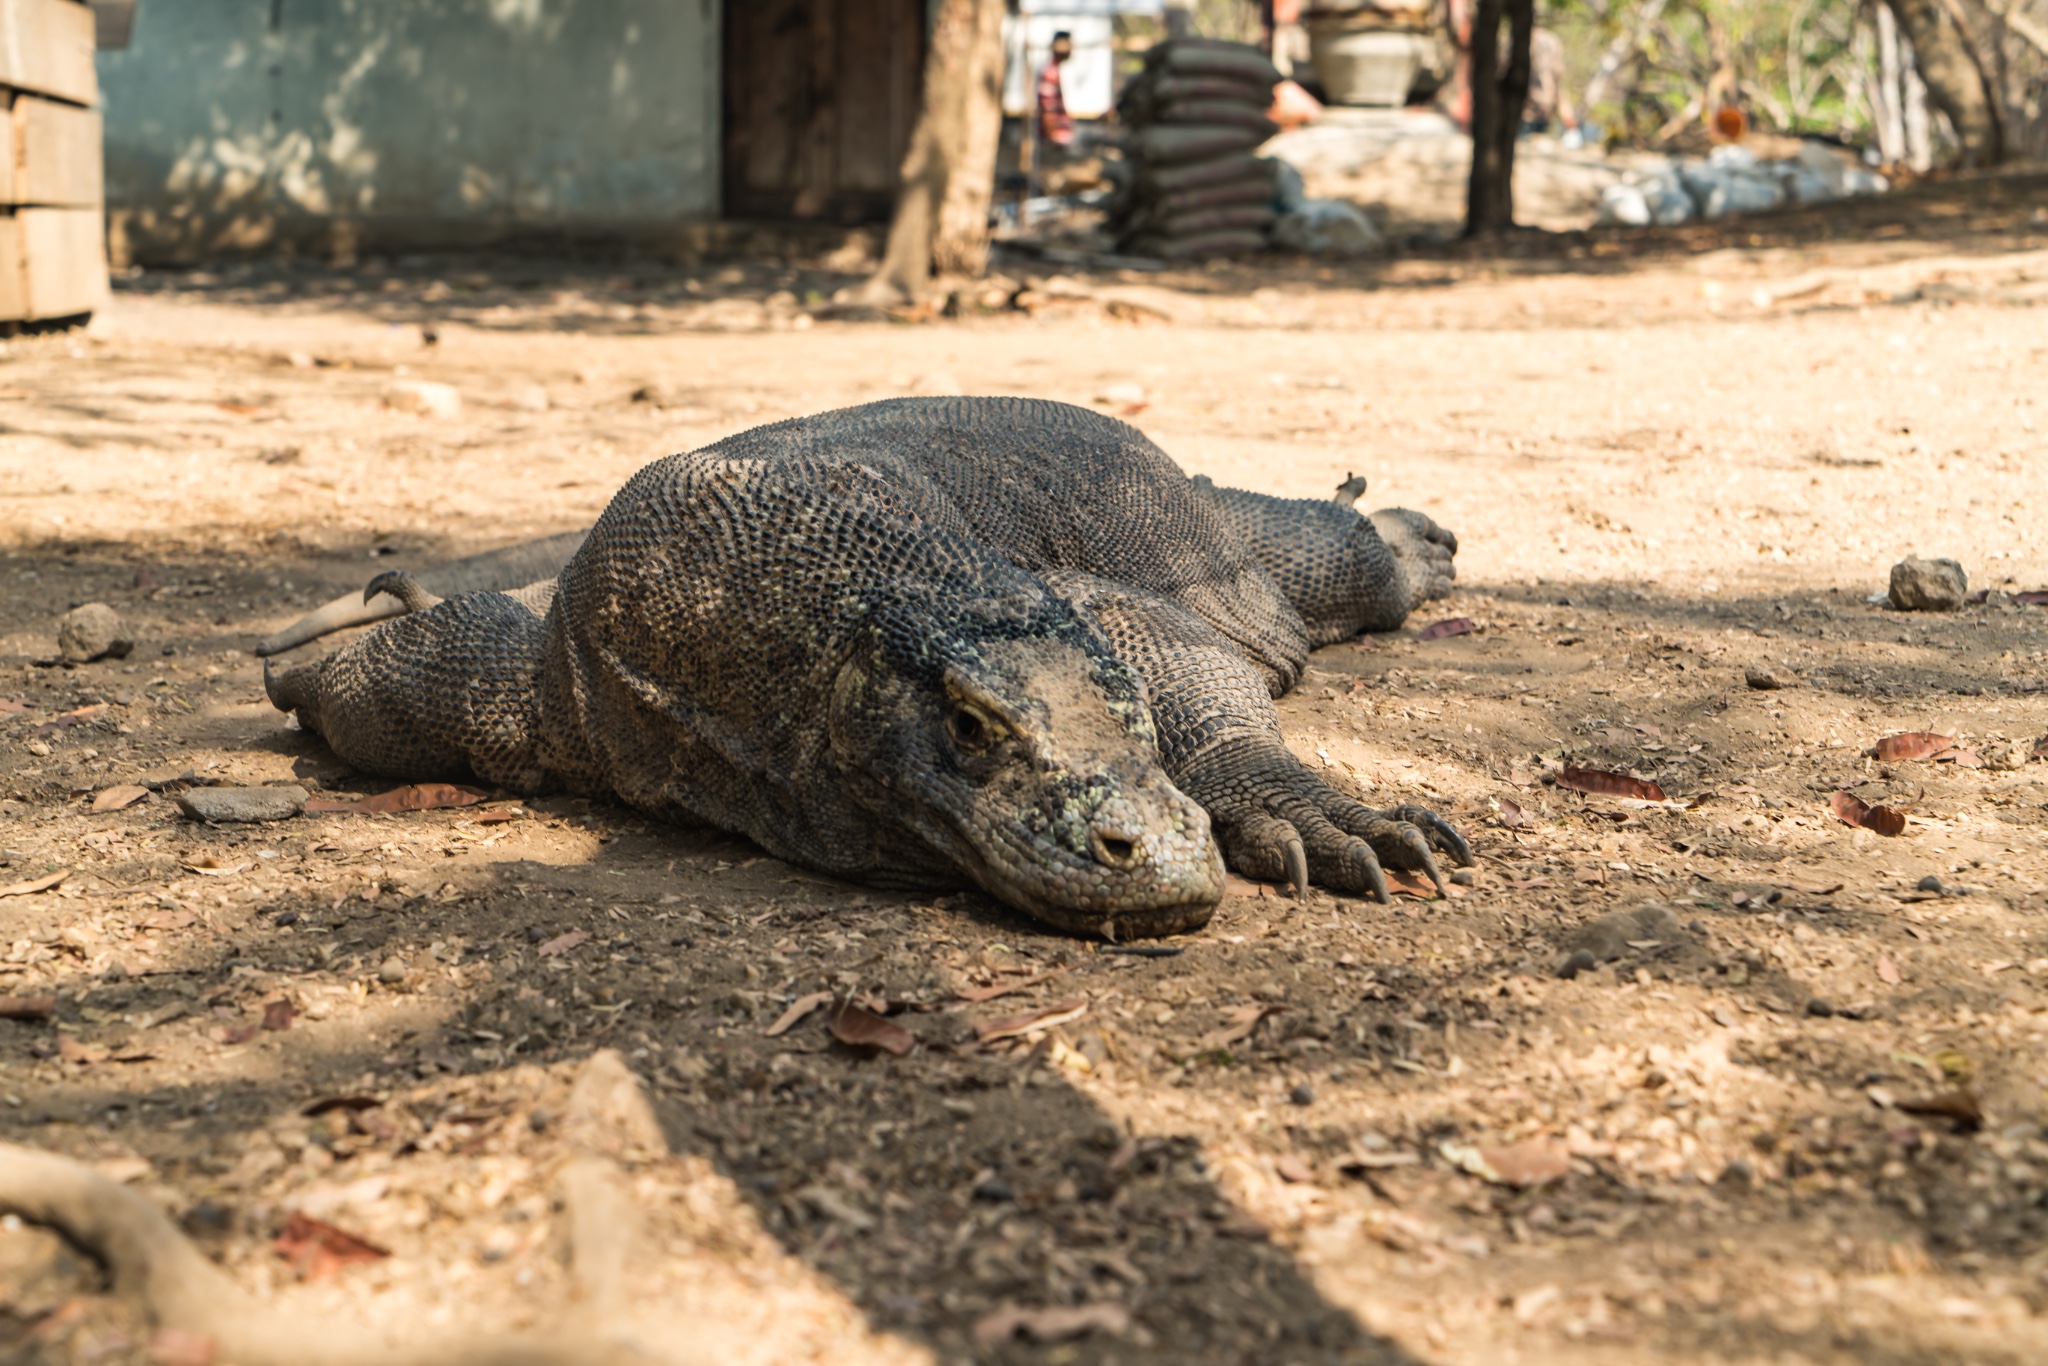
1113,848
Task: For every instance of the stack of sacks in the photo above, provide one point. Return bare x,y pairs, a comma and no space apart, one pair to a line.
1194,189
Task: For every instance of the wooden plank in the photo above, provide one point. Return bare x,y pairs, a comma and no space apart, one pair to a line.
13,271
56,157
47,46
64,254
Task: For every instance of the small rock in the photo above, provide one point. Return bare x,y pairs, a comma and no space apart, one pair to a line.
1302,1094
1466,877
1763,680
1738,1173
1580,961
1930,883
1820,1007
1928,585
91,632
1616,934
424,397
535,934
391,971
242,803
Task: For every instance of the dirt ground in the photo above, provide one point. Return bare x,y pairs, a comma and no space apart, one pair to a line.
1801,1121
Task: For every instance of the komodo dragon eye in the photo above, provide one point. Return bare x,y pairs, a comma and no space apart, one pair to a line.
972,731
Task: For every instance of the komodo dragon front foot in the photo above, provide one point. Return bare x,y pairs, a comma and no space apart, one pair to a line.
1425,551
1277,820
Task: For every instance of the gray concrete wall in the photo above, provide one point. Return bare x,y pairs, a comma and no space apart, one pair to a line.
344,126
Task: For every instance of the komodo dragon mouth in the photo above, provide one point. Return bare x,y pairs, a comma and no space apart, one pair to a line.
924,642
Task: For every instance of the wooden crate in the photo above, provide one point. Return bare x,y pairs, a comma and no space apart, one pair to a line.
46,46
52,155
53,263
53,260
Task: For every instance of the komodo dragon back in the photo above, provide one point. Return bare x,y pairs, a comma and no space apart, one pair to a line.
918,643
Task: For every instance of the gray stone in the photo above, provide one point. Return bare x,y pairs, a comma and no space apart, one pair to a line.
391,971
242,803
1928,585
1615,934
1763,680
91,632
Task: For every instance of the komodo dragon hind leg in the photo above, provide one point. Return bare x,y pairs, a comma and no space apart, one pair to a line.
445,691
403,586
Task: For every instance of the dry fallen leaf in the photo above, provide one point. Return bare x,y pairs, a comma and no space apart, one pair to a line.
976,995
1233,885
1853,810
39,884
562,943
9,704
1054,1324
1512,815
498,817
1030,1022
412,797
1959,1104
1911,745
119,798
1241,1021
1532,1162
169,920
278,1016
1601,783
317,1249
2031,598
1450,626
859,1027
71,718
800,1007
1293,1169
29,1008
1404,883
1887,971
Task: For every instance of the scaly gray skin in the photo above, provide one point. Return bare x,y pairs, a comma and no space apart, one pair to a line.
920,643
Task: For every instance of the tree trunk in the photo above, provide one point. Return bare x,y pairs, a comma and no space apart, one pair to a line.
948,174
1499,92
1955,82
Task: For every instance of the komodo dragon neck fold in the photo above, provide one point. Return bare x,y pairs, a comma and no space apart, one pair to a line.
923,642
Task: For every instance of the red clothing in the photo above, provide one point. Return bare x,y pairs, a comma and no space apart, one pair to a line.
1055,125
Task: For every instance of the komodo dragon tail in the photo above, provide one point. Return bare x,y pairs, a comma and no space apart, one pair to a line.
513,566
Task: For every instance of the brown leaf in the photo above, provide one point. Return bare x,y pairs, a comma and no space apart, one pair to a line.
1601,783
30,1008
9,704
83,1054
412,797
2031,598
976,995
234,409
1887,971
169,920
1853,810
178,1347
1959,1104
70,718
1512,815
1030,1022
119,798
1292,1169
1961,758
858,1027
211,865
562,943
1054,1324
38,884
1532,1162
1233,885
800,1007
316,1249
498,817
278,1016
1241,1021
239,1034
1450,626
1401,882
1910,745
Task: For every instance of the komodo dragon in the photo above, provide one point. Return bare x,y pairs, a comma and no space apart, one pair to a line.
923,642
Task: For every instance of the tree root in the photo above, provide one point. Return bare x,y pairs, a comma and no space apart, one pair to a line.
153,1266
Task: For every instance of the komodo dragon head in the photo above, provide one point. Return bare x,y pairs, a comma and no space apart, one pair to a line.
1027,758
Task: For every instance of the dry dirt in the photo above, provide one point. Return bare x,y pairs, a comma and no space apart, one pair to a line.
1670,461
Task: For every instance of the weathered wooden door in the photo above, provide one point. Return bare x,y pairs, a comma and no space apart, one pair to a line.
820,96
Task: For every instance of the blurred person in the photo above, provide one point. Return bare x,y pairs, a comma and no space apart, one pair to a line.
1055,124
